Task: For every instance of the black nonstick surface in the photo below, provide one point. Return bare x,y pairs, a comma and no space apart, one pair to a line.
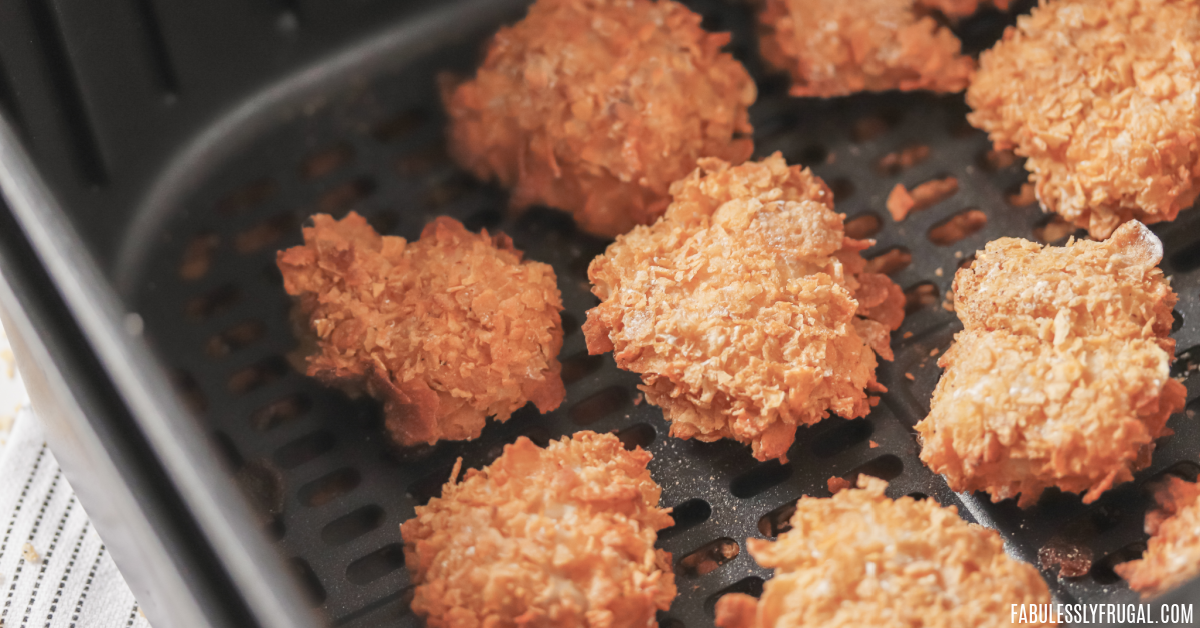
214,308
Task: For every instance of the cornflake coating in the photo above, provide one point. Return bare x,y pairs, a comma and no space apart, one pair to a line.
596,106
1173,553
556,537
1102,99
839,47
745,308
861,559
1061,374
446,331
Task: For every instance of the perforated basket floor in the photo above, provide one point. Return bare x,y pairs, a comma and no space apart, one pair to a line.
215,309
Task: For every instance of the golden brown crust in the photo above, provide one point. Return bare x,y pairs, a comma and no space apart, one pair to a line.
745,308
861,559
446,330
596,106
1102,99
1173,553
555,537
1061,375
839,47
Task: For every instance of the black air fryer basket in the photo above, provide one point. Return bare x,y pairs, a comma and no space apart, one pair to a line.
155,154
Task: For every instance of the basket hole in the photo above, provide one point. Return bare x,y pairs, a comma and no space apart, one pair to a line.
932,192
376,565
750,585
689,514
1070,557
304,449
580,365
257,375
599,405
213,302
993,160
777,521
637,435
708,557
279,412
330,486
1102,570
870,127
248,196
198,256
429,486
1186,361
340,199
228,451
842,189
896,162
419,163
919,296
189,389
326,161
885,467
400,125
863,226
1053,230
308,581
842,437
1176,321
265,233
235,338
760,478
961,225
1184,469
917,495
1022,195
262,484
351,526
890,261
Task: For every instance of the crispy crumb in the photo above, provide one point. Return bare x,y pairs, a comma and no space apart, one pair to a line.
933,352
638,399
899,202
745,308
835,47
836,484
563,534
10,363
446,330
1172,554
1061,374
1026,195
1102,98
30,554
872,444
909,376
596,106
860,558
938,272
907,335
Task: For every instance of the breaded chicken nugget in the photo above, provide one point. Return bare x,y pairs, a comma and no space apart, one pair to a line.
861,559
1102,97
556,537
1061,375
745,308
447,330
596,106
839,47
962,8
1173,553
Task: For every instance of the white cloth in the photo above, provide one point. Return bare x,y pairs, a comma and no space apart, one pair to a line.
54,570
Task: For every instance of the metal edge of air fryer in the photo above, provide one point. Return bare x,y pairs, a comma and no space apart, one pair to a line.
180,451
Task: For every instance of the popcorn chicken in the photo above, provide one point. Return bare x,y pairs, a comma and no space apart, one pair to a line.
596,106
1102,97
861,559
446,330
562,536
745,308
1173,553
839,47
1061,375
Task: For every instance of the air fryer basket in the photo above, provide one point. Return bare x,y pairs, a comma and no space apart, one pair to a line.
332,491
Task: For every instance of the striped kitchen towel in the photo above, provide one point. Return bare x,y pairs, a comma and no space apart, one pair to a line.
54,570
